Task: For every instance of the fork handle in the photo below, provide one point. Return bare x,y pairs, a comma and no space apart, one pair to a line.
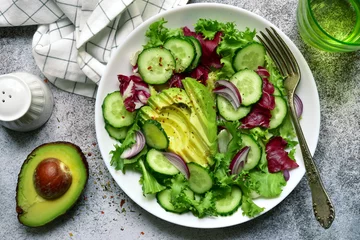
323,208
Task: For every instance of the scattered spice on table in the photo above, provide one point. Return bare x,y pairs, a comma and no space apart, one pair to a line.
122,202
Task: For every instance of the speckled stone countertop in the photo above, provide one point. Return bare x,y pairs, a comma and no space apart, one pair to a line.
105,212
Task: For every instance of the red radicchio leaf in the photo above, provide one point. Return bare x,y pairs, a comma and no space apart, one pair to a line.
258,117
175,80
209,56
135,69
200,73
267,100
134,91
278,159
262,72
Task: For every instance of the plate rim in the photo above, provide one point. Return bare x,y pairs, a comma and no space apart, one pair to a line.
239,10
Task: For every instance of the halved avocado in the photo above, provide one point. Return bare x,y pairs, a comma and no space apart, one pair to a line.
50,181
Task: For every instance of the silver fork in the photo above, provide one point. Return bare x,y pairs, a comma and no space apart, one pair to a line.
285,61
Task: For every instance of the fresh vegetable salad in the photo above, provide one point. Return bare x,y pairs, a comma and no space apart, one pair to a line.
204,119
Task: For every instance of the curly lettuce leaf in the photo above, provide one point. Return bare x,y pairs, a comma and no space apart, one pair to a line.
149,183
235,144
208,27
232,40
129,140
249,208
181,199
205,206
158,33
266,184
275,77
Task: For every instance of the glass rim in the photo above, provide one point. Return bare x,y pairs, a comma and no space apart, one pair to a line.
328,35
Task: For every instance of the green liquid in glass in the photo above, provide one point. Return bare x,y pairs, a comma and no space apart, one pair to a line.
338,18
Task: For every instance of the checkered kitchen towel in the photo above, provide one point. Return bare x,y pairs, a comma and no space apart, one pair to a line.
75,38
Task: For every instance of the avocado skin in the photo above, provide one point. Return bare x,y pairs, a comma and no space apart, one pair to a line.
19,210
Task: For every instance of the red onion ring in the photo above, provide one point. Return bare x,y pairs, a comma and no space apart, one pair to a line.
135,148
239,160
298,105
178,162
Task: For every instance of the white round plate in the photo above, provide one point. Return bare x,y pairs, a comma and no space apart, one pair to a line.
188,16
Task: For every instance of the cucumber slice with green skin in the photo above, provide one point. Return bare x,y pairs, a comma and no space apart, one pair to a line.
164,199
249,57
156,65
249,84
114,111
276,92
229,203
183,51
198,52
155,135
160,164
228,112
278,114
116,133
254,154
200,180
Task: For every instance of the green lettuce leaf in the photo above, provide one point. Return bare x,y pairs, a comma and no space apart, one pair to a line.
129,140
275,77
208,27
266,184
158,33
232,40
149,183
205,206
181,199
227,70
249,208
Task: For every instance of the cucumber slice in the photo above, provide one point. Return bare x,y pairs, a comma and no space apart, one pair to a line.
228,112
250,86
156,65
249,57
198,52
278,114
200,180
160,164
254,154
155,135
276,92
183,51
114,111
164,199
116,133
229,203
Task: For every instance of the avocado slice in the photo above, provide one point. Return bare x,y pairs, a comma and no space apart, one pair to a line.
174,110
204,105
50,181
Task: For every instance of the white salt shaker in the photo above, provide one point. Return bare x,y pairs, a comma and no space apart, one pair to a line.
26,101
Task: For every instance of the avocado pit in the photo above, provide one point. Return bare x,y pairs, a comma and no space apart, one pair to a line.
52,178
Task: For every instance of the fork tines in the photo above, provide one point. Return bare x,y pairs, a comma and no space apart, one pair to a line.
279,52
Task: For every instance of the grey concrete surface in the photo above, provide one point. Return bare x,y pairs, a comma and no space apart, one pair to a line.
105,212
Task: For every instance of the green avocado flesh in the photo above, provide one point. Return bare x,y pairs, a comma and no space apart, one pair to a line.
32,209
189,136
